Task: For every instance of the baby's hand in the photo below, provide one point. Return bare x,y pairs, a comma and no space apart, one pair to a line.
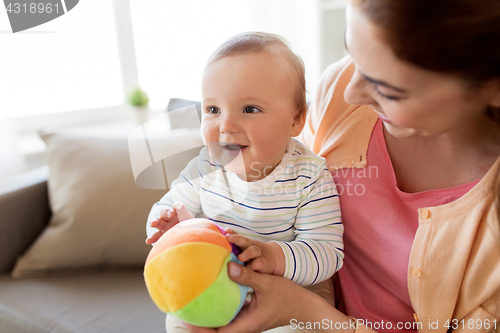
168,218
259,256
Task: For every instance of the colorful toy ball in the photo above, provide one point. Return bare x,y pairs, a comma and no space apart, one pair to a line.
186,274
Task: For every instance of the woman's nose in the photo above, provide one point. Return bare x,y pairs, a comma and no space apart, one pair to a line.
356,91
229,123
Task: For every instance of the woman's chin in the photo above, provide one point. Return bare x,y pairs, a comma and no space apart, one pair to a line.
400,132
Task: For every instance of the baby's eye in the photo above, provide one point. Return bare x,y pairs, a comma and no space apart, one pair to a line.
213,110
250,109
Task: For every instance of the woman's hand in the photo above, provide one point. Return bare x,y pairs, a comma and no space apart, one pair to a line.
275,302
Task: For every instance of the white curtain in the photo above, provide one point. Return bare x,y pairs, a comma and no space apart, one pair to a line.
11,161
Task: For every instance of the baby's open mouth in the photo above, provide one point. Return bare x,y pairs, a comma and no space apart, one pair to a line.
233,147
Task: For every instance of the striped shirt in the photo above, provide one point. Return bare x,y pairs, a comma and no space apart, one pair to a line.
297,205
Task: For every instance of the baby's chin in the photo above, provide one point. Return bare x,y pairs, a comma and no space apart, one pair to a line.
237,169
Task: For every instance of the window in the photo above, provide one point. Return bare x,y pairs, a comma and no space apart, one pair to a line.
86,61
70,63
174,39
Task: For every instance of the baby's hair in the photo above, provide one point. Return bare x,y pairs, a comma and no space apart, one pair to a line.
263,41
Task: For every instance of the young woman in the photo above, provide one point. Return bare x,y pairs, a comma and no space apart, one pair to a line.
409,125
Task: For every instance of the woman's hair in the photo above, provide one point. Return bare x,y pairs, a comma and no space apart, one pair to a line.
262,41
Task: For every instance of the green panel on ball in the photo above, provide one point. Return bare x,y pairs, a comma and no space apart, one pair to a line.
216,306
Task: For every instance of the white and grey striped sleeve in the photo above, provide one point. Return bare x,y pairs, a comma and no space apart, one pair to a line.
317,251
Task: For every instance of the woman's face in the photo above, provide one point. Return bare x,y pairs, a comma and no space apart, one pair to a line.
410,100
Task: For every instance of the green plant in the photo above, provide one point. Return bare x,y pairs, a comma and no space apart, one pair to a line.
139,98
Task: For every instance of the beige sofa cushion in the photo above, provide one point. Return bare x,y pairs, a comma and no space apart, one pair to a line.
103,302
99,213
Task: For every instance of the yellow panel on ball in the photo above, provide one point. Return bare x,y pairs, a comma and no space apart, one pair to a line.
197,266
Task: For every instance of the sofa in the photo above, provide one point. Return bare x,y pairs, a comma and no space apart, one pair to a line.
72,233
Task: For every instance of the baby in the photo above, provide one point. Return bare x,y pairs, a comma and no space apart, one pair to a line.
253,176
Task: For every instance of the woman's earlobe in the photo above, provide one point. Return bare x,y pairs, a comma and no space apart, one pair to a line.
495,99
495,102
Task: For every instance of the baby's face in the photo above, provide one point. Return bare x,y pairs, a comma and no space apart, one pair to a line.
248,112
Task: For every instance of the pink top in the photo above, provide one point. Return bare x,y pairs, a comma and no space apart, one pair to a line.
380,223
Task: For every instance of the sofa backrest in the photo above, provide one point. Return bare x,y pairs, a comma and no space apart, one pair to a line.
24,213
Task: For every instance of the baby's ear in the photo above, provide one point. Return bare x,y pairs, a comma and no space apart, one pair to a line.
299,121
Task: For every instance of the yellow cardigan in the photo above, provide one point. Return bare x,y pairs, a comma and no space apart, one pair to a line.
454,267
